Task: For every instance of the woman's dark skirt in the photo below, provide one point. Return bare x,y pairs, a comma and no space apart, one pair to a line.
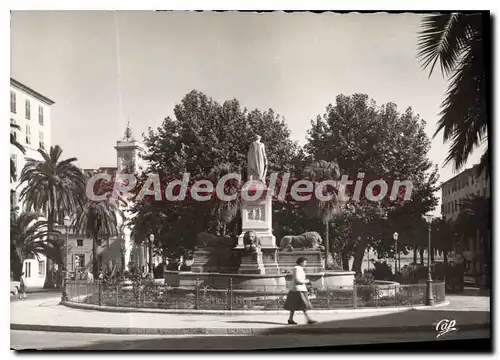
297,301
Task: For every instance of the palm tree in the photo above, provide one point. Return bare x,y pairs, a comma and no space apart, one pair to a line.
474,219
52,186
444,236
99,220
327,210
456,42
17,144
28,235
225,211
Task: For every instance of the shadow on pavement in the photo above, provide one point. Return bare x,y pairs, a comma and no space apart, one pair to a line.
425,320
329,334
483,293
258,322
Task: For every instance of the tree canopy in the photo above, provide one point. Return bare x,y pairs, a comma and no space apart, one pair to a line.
381,143
204,135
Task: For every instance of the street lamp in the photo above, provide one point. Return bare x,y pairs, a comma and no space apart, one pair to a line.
64,296
395,237
151,240
123,252
429,300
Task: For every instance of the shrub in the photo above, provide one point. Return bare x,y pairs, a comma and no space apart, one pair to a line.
382,271
366,279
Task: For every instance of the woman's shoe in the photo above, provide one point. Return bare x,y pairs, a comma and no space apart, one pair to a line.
310,322
291,322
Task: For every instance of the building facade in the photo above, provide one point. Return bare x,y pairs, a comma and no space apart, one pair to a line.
458,188
120,250
31,111
453,192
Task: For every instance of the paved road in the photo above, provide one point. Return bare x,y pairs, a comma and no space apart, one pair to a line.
74,341
37,295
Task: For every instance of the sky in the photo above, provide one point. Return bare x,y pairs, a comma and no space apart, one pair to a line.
104,68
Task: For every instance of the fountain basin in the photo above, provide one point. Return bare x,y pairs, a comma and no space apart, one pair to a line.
257,282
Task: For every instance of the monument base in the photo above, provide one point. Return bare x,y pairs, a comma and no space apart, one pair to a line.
269,261
251,263
256,214
215,260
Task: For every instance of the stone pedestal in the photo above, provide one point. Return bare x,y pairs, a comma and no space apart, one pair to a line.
257,216
251,263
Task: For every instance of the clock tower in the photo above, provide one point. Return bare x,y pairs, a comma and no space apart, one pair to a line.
128,153
129,161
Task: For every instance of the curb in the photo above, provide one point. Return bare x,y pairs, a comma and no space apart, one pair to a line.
304,329
243,312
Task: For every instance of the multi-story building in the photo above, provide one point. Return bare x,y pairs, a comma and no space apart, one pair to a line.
31,111
453,192
121,249
458,188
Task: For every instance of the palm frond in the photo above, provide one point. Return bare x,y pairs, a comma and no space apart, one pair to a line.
456,42
463,115
484,164
442,38
29,234
317,172
52,185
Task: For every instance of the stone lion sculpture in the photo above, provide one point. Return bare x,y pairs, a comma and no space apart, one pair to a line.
251,242
307,240
206,240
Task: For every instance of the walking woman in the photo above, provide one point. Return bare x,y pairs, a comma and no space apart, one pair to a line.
297,299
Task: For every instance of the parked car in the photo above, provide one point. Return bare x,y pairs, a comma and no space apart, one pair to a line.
14,287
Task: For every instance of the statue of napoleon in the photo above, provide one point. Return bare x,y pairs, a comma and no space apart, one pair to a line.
257,161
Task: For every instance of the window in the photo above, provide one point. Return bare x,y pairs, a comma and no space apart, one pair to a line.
27,272
41,268
41,143
28,134
79,242
456,205
452,207
27,108
12,102
40,115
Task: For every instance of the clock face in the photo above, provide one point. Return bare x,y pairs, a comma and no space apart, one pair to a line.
126,157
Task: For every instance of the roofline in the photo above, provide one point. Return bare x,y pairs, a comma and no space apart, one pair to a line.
474,167
31,92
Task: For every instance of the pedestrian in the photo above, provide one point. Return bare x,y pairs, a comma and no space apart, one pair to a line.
297,298
90,277
22,287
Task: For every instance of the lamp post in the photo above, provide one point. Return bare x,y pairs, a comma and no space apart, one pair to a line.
151,240
395,237
429,299
123,252
64,295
